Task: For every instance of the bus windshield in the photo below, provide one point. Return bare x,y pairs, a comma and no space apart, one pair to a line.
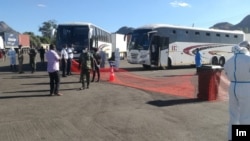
73,35
140,40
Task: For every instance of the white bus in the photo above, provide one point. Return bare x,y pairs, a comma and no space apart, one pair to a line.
164,46
83,35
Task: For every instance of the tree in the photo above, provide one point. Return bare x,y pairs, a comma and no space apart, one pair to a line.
47,28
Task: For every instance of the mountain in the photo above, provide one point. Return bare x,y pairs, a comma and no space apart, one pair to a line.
125,30
5,28
243,25
223,25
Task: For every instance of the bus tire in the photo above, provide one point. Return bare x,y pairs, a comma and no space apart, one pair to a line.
215,61
222,61
146,66
169,63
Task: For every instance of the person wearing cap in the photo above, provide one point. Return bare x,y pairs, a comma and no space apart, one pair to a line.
237,70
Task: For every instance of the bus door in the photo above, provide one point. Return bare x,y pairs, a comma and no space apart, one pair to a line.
159,51
154,51
164,51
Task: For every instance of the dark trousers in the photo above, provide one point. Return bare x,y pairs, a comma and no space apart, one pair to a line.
54,82
69,62
42,57
85,73
33,64
96,70
64,66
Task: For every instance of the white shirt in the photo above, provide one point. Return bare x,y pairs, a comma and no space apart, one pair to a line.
53,61
70,53
64,54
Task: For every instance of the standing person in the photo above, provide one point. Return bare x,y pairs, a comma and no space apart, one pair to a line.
117,59
96,65
20,59
69,61
103,59
85,65
4,54
32,54
198,61
64,56
12,55
53,60
42,52
237,70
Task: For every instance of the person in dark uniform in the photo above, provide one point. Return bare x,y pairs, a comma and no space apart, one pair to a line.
96,65
85,66
42,52
32,54
20,59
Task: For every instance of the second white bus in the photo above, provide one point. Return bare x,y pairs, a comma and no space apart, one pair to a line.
164,45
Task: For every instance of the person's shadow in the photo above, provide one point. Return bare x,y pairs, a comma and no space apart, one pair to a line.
163,103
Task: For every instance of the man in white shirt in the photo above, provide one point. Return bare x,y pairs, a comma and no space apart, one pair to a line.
64,56
70,57
53,60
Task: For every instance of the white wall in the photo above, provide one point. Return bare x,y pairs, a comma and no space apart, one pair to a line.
1,43
248,36
119,42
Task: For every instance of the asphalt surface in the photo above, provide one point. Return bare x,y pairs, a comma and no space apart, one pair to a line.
105,112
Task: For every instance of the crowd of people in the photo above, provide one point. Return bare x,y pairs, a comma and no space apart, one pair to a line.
18,54
89,60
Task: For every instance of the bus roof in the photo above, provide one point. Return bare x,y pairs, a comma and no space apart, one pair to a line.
80,24
154,26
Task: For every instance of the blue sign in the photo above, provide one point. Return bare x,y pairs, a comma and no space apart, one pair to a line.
11,39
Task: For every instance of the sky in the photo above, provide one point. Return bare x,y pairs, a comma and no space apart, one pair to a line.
28,15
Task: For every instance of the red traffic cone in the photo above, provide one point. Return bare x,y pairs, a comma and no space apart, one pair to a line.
112,74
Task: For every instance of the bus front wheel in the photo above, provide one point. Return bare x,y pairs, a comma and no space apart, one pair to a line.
222,61
169,63
214,61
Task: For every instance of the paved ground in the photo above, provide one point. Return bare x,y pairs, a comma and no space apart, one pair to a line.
105,112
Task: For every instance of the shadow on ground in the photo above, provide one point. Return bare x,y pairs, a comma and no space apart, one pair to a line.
163,103
26,67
